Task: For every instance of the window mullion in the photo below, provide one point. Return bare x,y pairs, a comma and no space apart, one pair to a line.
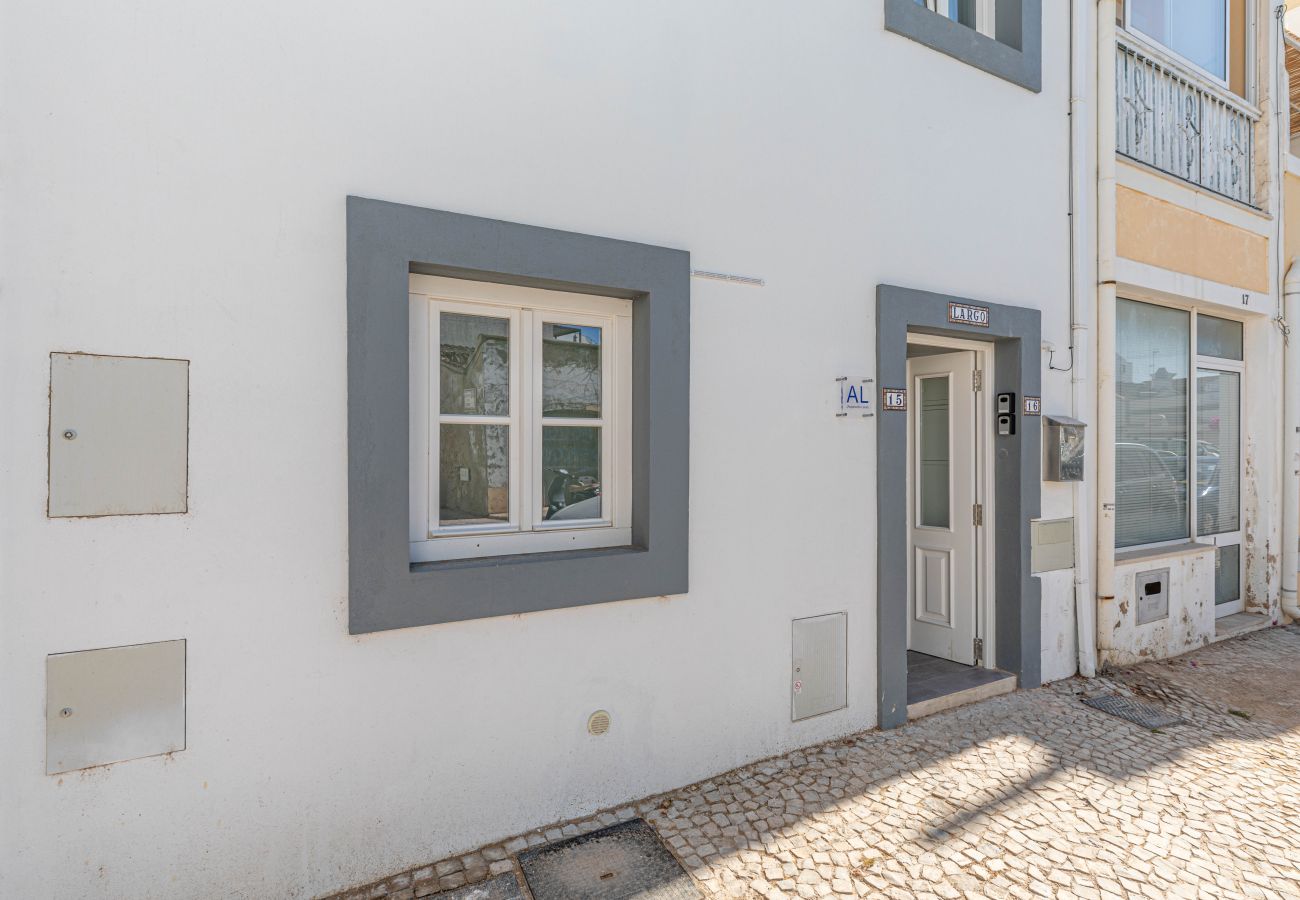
610,485
434,410
523,411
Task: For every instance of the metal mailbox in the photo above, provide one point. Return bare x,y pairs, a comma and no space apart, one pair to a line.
1063,453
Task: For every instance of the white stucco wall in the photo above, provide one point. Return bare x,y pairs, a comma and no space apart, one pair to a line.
172,183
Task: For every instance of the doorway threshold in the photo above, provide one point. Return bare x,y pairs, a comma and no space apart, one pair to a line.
935,685
1238,624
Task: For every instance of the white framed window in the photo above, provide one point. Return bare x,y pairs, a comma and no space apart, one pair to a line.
977,14
521,426
1196,31
1179,377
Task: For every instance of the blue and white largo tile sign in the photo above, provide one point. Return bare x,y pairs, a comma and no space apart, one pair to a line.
968,314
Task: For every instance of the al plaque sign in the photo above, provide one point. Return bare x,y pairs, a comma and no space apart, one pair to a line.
855,396
968,314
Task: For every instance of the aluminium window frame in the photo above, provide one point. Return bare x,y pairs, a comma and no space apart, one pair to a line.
1198,70
1237,536
1196,362
527,310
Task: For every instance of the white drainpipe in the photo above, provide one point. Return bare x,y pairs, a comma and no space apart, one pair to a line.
1104,427
1081,285
1291,445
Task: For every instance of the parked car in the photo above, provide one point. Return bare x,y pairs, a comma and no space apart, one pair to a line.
1150,503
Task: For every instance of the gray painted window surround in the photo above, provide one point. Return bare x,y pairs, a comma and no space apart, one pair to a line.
1016,54
1015,333
385,243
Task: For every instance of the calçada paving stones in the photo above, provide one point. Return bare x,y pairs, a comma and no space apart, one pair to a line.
1028,795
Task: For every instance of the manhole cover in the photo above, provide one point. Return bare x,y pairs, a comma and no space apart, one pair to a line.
1143,714
503,887
623,861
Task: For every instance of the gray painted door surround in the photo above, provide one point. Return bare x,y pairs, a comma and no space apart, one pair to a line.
1015,334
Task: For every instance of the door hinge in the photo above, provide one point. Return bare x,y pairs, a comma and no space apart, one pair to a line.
978,381
977,514
979,650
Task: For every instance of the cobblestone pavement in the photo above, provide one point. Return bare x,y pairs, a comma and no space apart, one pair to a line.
1028,795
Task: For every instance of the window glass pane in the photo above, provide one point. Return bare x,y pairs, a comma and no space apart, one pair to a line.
1152,363
570,371
1194,29
1218,452
570,473
473,474
962,11
1227,574
475,365
934,453
1218,337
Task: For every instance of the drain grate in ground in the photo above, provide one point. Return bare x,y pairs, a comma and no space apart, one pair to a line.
503,887
623,861
1143,714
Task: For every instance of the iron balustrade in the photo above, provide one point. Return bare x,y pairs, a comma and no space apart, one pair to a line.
1180,123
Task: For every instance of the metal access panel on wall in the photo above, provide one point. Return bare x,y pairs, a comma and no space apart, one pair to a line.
114,704
1051,545
119,435
819,674
1152,596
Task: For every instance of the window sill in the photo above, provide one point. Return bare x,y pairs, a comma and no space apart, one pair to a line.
515,559
508,542
1148,554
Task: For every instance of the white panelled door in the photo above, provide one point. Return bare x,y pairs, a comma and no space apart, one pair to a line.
942,493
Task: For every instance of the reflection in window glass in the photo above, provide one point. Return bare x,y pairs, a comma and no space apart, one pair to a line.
1196,30
473,474
1218,337
1227,574
1218,451
1152,365
570,473
934,455
475,362
570,371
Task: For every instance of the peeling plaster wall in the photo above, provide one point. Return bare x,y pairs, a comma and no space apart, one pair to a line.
1190,623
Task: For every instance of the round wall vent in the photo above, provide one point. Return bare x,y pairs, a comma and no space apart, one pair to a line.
598,722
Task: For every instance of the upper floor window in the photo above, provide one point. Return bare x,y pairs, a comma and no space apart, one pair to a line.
520,420
977,14
1196,30
1002,37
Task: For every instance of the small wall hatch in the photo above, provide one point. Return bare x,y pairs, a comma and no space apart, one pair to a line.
1152,596
119,435
1051,545
114,704
819,674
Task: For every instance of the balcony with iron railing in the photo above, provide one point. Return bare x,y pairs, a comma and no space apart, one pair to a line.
1182,123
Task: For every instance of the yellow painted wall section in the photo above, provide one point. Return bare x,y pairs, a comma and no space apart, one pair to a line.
1291,203
1163,234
